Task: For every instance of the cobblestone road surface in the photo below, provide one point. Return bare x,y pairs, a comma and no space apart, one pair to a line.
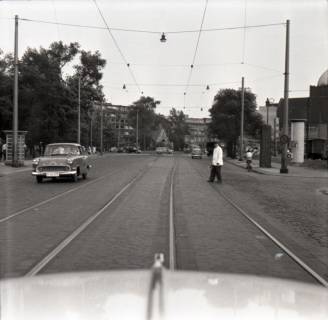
210,234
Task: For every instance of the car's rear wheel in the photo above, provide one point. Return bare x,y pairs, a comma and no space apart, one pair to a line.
39,179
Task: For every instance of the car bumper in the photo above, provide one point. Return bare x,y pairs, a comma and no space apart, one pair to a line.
196,156
54,174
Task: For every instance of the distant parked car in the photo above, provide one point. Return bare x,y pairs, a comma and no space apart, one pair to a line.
61,160
161,150
196,153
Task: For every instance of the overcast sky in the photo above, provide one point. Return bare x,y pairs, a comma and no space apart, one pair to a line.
162,70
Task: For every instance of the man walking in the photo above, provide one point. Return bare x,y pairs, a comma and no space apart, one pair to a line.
217,163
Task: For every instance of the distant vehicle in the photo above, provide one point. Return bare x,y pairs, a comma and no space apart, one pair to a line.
132,149
120,149
161,150
196,153
113,149
170,151
61,160
186,150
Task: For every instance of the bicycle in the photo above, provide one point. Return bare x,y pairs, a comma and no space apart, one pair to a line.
248,165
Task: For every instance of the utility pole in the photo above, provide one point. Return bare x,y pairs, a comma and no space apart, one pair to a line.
15,111
285,137
242,120
137,133
101,128
79,112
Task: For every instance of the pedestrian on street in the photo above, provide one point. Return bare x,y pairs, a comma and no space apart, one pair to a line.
4,151
217,163
249,157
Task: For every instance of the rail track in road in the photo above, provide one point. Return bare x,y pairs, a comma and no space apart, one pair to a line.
75,188
120,195
284,248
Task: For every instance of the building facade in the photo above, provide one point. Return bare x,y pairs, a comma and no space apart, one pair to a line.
198,131
313,110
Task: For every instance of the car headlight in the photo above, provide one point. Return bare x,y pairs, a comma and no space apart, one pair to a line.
69,161
36,161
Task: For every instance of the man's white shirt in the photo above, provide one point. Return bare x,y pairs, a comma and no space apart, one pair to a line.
217,159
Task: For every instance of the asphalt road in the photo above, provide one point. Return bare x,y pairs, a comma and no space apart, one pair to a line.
130,194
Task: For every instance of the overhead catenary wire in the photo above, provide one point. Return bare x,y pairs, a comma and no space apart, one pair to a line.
117,46
196,48
244,33
148,31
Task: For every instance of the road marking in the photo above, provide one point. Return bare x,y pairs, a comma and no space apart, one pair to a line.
53,198
171,223
39,266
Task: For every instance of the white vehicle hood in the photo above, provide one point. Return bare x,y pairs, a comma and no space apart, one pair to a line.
185,295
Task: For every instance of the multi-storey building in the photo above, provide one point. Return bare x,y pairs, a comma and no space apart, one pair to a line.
198,131
313,110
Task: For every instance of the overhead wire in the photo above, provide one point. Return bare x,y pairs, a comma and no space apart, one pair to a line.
147,31
196,48
244,33
117,46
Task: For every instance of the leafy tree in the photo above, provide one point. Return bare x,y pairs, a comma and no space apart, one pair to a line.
178,128
145,108
226,114
6,91
48,101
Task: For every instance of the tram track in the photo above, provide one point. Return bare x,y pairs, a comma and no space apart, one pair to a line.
57,196
284,248
121,194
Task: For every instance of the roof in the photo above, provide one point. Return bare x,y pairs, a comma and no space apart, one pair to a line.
65,143
323,80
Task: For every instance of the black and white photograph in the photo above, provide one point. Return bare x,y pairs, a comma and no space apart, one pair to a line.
163,159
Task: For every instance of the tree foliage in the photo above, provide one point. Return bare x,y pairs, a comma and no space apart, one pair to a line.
144,108
48,101
226,117
178,128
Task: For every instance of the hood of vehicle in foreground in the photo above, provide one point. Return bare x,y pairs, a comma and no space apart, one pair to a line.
159,294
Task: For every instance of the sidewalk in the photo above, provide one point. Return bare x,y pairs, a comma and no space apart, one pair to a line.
5,170
293,170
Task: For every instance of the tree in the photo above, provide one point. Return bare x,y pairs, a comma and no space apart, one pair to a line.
145,108
226,114
178,128
6,91
48,101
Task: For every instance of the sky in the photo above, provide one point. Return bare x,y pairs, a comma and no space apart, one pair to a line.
163,69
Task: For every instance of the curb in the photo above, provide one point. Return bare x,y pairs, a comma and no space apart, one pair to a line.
261,171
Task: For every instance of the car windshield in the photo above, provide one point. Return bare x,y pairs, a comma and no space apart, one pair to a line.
61,150
125,127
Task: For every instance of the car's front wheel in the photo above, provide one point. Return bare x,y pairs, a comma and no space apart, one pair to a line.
39,179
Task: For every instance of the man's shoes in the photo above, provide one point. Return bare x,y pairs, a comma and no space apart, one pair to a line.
210,181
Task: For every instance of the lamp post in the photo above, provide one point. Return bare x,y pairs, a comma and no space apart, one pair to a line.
137,133
285,137
101,128
15,110
242,120
79,111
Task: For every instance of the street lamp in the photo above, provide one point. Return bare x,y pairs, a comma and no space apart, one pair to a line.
79,111
163,37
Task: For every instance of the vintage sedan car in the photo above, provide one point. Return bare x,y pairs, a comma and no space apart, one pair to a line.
196,153
61,160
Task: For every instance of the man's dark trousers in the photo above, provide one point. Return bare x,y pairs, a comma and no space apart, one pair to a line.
215,172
